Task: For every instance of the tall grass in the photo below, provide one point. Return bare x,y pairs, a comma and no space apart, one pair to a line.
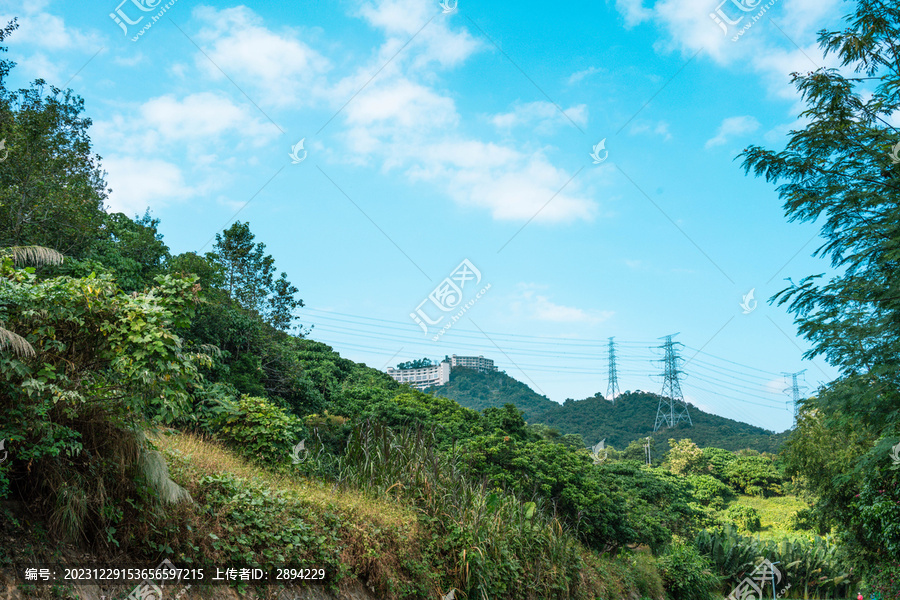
491,544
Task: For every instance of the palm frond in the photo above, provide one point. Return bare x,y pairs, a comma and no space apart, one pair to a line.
15,342
36,255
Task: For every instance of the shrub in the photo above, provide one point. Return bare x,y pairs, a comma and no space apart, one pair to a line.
260,430
93,365
745,517
802,520
687,574
707,489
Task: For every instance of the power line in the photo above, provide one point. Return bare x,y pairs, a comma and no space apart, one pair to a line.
698,351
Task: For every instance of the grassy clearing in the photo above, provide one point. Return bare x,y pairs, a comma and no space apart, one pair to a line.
774,513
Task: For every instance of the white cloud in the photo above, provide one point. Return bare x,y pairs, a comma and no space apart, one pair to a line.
203,117
196,125
139,182
733,126
578,76
128,61
540,307
278,69
768,47
157,143
633,11
38,65
513,184
402,104
411,126
541,116
660,128
430,37
47,31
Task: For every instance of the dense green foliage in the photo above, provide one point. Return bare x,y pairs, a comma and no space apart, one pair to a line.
259,429
105,362
745,517
688,574
814,566
415,364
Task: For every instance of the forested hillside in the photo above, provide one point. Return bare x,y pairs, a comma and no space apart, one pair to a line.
477,390
632,416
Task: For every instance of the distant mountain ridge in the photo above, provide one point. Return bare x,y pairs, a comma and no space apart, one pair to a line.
631,417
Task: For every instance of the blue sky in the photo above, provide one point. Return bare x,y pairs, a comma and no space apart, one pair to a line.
434,136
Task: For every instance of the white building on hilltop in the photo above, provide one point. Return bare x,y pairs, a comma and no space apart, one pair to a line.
478,363
423,377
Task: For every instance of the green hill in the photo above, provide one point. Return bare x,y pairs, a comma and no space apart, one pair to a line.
478,391
630,417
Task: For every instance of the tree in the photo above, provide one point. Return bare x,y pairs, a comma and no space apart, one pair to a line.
841,169
52,191
685,458
248,277
132,249
415,364
247,269
281,304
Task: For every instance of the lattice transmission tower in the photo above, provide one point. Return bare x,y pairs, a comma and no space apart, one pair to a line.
672,408
795,389
612,388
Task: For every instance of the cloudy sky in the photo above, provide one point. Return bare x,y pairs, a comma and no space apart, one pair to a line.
580,157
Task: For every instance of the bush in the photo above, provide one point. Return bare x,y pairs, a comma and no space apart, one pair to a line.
745,517
802,520
707,489
687,574
260,430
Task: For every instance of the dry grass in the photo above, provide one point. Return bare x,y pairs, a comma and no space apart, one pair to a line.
378,537
209,457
